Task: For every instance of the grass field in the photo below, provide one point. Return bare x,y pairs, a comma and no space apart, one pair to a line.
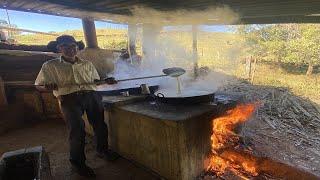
107,38
217,50
299,84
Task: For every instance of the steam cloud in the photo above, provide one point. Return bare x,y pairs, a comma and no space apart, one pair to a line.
213,15
166,52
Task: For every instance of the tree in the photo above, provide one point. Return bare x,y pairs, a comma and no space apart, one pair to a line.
6,24
304,49
285,43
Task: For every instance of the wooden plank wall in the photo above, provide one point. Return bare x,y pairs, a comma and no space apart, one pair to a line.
24,105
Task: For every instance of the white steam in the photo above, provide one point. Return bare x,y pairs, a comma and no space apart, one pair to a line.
163,52
212,15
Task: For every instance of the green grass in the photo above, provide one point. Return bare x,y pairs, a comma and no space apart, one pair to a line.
299,84
107,38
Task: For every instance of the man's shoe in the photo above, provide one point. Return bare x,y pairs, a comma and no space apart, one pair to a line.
83,170
108,155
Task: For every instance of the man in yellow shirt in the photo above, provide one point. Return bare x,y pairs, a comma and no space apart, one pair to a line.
72,81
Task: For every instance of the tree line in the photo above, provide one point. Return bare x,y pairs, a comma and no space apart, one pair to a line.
297,44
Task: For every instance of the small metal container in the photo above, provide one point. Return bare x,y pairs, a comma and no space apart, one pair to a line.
144,89
125,93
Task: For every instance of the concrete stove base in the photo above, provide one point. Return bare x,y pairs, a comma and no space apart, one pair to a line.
173,141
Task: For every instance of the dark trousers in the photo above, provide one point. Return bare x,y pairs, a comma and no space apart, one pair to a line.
72,107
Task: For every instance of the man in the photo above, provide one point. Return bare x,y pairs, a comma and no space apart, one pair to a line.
3,36
125,56
68,76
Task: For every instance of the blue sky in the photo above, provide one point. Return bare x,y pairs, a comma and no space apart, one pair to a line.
46,23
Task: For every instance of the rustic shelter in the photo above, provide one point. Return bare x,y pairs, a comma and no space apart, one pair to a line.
170,140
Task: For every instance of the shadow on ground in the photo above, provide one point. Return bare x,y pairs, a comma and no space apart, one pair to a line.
52,135
299,70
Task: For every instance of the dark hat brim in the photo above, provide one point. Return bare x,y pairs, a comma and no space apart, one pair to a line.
53,46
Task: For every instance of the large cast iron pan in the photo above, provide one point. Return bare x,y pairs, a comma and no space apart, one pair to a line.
196,99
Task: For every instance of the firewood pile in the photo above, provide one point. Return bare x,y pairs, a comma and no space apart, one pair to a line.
286,127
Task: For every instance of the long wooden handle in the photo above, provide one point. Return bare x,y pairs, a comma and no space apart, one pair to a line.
31,83
145,77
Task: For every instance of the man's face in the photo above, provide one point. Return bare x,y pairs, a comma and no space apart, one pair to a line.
68,49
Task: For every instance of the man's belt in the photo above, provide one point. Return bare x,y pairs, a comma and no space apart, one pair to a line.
77,93
81,92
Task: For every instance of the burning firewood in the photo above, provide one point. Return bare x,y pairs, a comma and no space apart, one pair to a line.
280,117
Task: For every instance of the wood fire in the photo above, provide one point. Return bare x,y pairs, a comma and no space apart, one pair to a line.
229,156
224,137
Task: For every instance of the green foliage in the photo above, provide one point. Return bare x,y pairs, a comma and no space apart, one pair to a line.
283,43
6,24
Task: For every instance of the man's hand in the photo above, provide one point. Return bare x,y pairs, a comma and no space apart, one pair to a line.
98,82
51,86
110,80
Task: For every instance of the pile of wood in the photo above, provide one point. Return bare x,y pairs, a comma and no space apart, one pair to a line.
286,126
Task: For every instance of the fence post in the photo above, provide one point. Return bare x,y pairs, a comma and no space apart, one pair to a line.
254,70
248,67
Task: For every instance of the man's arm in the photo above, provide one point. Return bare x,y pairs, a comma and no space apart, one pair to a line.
95,74
96,77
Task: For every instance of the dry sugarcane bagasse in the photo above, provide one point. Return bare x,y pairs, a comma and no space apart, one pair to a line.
286,127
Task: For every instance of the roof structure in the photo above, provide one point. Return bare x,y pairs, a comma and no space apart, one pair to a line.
248,11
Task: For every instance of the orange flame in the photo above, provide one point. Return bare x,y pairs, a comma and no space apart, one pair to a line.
224,136
223,127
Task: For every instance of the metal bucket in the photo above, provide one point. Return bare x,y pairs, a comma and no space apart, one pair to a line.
31,163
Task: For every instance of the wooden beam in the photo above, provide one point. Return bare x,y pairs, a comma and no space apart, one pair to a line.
250,11
90,34
3,97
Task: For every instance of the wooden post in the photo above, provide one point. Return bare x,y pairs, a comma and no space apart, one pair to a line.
132,36
195,50
3,97
248,67
254,70
90,35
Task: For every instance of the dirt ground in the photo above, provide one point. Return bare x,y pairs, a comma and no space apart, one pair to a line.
52,135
